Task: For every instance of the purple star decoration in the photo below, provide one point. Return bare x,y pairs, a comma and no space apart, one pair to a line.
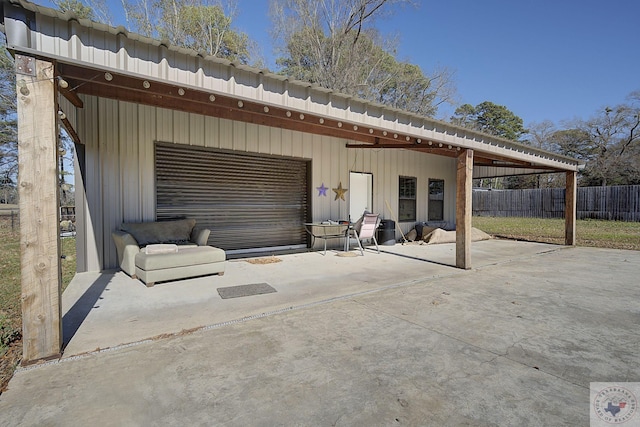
322,190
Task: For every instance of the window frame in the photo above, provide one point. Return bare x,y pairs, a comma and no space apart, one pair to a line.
431,199
405,198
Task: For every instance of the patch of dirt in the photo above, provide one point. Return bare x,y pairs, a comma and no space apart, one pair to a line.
261,261
346,254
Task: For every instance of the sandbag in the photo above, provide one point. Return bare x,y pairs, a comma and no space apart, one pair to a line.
441,236
412,235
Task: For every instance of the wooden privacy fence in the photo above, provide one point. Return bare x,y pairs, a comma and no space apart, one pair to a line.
619,203
9,217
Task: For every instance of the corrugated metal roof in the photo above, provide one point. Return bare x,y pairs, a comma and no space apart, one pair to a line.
415,124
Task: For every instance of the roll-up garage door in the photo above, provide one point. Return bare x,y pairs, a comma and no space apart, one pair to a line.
248,201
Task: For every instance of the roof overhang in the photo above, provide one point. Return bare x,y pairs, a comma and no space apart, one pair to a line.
103,61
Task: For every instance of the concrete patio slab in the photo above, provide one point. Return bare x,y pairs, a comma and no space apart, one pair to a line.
512,342
106,310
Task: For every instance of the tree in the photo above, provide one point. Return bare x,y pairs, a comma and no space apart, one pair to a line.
208,29
8,124
613,145
94,10
572,142
495,120
194,24
490,118
334,44
65,156
405,86
539,135
81,10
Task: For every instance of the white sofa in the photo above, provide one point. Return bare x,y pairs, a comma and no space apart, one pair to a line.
184,252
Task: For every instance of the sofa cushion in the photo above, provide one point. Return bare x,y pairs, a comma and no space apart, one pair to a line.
160,248
183,258
147,233
200,236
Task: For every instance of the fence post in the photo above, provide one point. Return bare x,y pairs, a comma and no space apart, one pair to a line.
570,209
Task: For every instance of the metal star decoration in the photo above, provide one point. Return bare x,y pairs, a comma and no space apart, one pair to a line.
340,192
322,190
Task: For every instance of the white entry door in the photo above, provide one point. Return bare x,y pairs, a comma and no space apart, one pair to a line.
360,194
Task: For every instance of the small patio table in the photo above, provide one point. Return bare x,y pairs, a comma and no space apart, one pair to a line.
328,230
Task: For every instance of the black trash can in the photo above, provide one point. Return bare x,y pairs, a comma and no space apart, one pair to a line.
387,232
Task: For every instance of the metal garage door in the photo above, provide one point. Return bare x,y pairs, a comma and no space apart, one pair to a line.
248,201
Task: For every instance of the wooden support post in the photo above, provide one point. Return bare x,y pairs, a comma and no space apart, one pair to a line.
570,211
39,213
464,181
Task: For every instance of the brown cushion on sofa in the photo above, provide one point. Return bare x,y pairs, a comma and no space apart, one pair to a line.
147,233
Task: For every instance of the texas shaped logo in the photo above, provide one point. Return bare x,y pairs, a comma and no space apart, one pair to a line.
615,409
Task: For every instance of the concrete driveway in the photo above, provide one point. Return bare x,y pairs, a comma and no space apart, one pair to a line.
515,341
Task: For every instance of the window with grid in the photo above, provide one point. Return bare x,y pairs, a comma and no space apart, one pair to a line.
436,200
407,199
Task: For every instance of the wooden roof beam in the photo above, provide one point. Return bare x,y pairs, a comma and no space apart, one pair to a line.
71,96
68,127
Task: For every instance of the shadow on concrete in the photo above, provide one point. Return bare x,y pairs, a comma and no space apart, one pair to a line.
418,258
72,320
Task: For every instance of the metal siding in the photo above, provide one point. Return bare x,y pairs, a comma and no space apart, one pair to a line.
197,135
332,164
164,124
120,150
248,201
275,137
239,138
317,180
146,161
252,136
296,144
289,141
226,134
181,127
307,145
263,139
112,181
81,215
113,162
129,158
212,132
93,201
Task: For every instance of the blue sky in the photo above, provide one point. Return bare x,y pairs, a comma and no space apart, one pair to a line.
542,59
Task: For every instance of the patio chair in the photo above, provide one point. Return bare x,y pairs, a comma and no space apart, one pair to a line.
364,228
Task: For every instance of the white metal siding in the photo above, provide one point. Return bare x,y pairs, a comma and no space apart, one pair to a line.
119,138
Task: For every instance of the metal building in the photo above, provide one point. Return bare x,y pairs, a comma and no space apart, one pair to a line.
164,132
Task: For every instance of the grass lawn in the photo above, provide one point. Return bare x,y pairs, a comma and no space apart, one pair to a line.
596,233
10,306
